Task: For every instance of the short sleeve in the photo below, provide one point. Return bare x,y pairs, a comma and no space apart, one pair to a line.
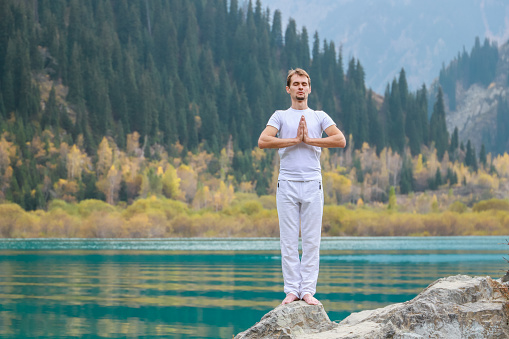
327,121
275,121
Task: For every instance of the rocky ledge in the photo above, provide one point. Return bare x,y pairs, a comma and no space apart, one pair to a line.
454,307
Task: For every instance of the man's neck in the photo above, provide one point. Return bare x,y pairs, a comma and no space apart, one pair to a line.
300,105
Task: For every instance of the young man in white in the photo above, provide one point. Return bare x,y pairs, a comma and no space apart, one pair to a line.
299,194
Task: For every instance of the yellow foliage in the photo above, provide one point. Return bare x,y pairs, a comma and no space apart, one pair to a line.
188,181
7,152
199,162
37,148
248,215
57,223
75,163
13,219
251,207
66,190
419,166
100,224
336,187
104,157
492,204
202,198
487,181
325,159
333,220
268,201
110,184
246,187
171,208
458,207
171,183
133,144
434,203
160,170
258,154
69,208
223,197
87,207
152,224
501,164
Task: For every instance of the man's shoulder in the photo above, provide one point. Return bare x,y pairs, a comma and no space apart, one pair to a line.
282,110
317,111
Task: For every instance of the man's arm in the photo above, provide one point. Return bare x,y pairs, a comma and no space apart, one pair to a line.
335,137
268,139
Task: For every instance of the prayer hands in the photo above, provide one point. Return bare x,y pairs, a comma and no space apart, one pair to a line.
302,131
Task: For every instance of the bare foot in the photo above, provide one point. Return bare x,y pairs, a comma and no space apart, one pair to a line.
289,298
310,299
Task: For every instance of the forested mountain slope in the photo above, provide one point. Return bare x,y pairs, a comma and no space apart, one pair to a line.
476,86
117,100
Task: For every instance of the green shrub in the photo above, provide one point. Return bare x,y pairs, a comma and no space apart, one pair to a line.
458,207
492,204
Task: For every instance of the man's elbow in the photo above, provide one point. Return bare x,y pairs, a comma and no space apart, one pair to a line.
342,143
261,144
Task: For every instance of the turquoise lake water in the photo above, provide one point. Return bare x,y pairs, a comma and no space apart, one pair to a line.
210,288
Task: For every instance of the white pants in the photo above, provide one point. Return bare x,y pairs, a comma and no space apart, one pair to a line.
300,203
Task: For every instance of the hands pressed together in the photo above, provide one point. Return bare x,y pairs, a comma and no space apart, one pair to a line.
302,131
268,138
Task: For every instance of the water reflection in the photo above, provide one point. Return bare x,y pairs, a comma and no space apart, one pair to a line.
205,294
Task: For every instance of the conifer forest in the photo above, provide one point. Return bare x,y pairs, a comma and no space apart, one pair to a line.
143,116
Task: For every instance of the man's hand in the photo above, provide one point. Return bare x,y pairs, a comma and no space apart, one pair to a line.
335,137
301,130
268,138
304,129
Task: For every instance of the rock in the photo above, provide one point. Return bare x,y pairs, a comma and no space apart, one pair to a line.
289,321
475,115
453,307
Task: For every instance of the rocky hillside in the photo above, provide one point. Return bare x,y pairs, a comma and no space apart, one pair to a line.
481,111
388,35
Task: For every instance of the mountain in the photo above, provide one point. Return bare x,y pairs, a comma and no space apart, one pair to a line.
476,91
390,34
118,100
174,77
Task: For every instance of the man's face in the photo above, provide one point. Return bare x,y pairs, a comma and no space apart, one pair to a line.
299,87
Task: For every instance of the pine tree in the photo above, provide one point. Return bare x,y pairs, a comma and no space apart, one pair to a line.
438,178
51,112
482,155
470,157
502,131
412,131
277,32
422,106
75,81
406,184
303,55
376,132
453,147
438,130
452,177
396,119
403,89
292,46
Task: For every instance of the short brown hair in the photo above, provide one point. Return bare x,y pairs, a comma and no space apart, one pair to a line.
298,71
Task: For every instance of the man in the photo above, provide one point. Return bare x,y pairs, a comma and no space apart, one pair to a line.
299,193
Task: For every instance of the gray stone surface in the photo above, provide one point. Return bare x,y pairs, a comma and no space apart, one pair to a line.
289,321
454,307
476,106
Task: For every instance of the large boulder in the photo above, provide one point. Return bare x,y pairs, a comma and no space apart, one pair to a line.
289,321
453,307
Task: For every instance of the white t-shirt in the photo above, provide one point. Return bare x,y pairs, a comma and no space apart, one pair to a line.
300,162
